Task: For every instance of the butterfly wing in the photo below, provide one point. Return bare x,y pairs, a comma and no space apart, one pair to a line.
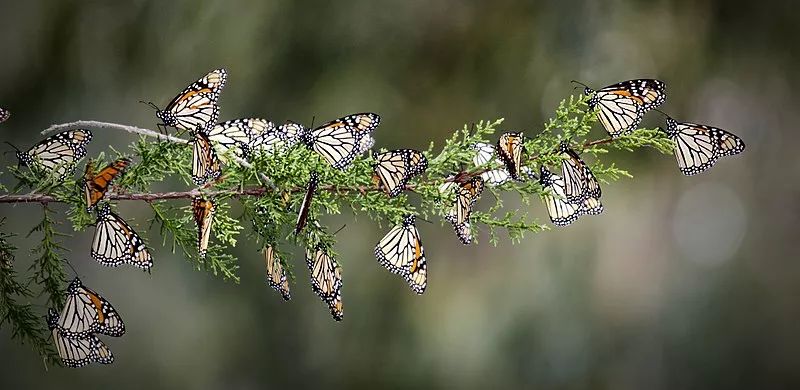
195,108
203,212
235,135
96,185
78,352
305,207
57,154
562,212
205,164
326,280
341,140
510,149
396,167
116,243
276,274
86,312
4,115
467,195
484,154
649,93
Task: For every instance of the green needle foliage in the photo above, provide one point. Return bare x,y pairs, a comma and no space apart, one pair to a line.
262,200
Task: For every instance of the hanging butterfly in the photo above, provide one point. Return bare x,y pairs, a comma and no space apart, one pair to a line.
77,352
510,149
86,312
341,140
697,147
203,211
205,164
57,154
393,169
4,115
326,280
561,211
579,181
467,194
237,134
95,185
116,243
400,251
283,137
305,207
276,274
623,105
195,108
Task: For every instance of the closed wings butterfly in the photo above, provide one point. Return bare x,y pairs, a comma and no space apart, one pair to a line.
484,154
305,207
561,211
116,243
276,273
326,280
341,140
697,147
237,135
77,352
400,251
86,312
57,154
510,149
622,105
195,108
393,169
274,139
205,163
203,212
579,181
467,195
95,184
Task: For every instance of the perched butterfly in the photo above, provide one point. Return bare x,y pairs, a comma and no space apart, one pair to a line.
196,107
86,312
510,149
400,251
238,134
486,154
95,185
205,164
395,168
305,207
697,147
116,243
57,154
341,140
623,105
283,137
326,280
77,352
563,212
4,115
467,195
579,181
203,211
276,274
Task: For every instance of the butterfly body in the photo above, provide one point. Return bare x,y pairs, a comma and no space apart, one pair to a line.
698,147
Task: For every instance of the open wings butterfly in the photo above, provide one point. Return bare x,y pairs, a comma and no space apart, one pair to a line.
195,108
393,169
116,243
57,154
697,147
623,105
341,140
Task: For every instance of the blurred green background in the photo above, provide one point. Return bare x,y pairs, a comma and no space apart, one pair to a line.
681,283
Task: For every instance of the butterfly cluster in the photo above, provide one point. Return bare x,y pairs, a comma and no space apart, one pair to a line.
569,191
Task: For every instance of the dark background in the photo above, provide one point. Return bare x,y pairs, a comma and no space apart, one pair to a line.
681,283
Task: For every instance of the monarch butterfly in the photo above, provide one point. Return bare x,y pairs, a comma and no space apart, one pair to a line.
195,108
237,134
86,312
77,352
203,211
341,140
95,185
467,194
623,105
116,243
57,154
302,214
697,147
395,168
561,211
276,274
400,251
285,136
510,149
579,181
4,115
326,280
484,154
205,164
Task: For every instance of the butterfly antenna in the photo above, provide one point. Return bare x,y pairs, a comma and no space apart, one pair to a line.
12,145
313,118
579,84
72,268
339,229
423,219
662,113
151,104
